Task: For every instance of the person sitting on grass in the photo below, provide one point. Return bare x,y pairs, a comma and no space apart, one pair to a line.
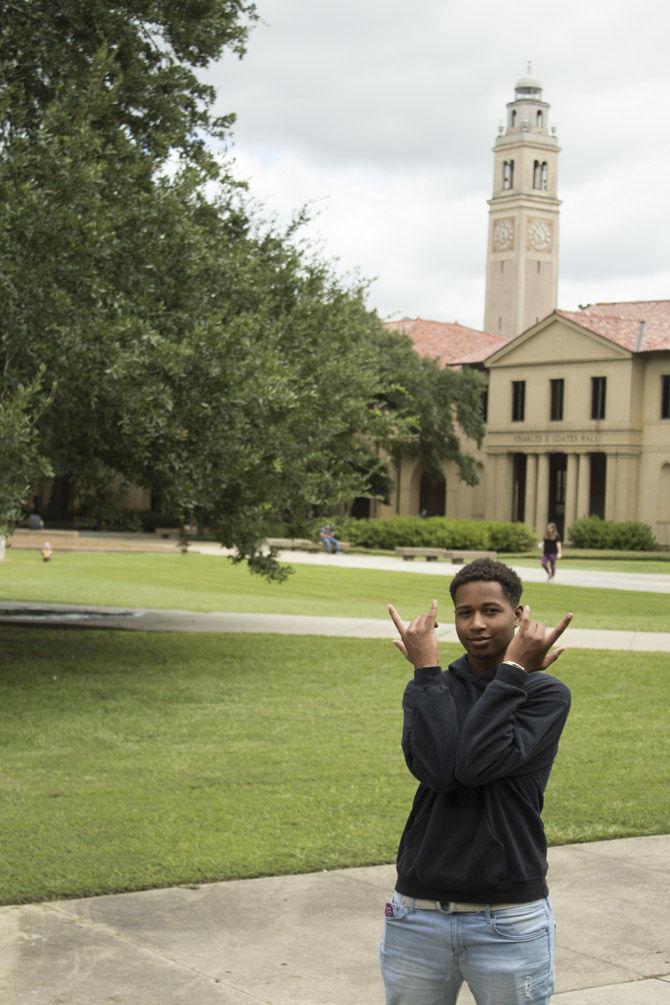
330,542
471,900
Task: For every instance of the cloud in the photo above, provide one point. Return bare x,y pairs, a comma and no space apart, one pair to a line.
384,116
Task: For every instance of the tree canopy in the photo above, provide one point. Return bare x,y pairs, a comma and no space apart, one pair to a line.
152,327
150,51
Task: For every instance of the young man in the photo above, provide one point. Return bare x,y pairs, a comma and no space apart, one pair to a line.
471,898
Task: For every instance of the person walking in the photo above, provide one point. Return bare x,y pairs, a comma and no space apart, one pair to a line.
551,550
471,900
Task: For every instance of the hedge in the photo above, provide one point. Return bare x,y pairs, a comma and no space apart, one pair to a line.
593,532
438,532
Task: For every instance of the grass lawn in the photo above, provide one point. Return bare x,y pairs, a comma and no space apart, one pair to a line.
134,760
210,583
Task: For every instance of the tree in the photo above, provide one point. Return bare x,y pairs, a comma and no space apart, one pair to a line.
184,345
151,50
21,461
439,405
187,350
94,99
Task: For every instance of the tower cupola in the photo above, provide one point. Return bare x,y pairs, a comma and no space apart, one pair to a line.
528,112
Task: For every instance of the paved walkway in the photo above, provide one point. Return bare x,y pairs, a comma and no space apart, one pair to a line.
285,624
312,939
638,581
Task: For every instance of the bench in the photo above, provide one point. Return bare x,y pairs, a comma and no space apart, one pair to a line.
453,555
468,556
175,533
276,544
430,554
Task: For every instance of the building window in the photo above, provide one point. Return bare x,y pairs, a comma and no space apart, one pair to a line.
518,400
540,120
556,388
537,174
598,394
540,175
508,174
665,396
513,117
484,404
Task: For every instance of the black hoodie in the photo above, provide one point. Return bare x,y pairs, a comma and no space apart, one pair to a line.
482,747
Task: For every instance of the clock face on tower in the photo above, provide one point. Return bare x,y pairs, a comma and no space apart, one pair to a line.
503,234
539,235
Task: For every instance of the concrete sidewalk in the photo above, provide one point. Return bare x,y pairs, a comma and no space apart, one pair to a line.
285,624
312,939
646,582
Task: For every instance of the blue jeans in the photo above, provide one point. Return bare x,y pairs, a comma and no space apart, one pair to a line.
506,957
328,541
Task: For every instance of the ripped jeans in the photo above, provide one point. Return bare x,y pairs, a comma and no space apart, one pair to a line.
506,957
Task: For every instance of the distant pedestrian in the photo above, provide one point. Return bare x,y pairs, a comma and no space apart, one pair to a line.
551,550
35,522
330,542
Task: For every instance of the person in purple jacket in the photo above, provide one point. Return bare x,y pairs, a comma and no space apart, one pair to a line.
471,900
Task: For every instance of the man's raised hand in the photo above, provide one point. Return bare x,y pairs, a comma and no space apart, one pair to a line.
418,640
531,646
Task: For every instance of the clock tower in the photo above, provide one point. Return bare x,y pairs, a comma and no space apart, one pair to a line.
522,251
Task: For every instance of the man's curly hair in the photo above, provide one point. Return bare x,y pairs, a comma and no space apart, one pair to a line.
489,571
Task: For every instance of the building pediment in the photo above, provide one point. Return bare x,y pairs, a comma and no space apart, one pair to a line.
556,339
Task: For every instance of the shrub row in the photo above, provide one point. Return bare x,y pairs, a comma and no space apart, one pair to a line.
438,532
592,532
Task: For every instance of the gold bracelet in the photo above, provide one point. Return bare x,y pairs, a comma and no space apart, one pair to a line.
511,663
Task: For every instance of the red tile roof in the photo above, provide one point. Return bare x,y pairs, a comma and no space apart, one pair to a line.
448,342
645,309
637,325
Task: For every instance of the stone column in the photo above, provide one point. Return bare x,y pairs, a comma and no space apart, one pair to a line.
611,486
505,487
501,490
531,489
570,492
626,487
583,485
542,511
405,502
491,471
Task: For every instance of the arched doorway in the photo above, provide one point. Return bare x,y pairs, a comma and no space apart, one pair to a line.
432,496
361,508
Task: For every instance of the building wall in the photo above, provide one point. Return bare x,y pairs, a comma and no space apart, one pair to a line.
461,501
654,473
632,436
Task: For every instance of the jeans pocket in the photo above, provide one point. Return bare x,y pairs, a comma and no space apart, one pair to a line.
394,909
523,923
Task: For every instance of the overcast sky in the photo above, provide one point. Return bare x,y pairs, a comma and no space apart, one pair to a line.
382,115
